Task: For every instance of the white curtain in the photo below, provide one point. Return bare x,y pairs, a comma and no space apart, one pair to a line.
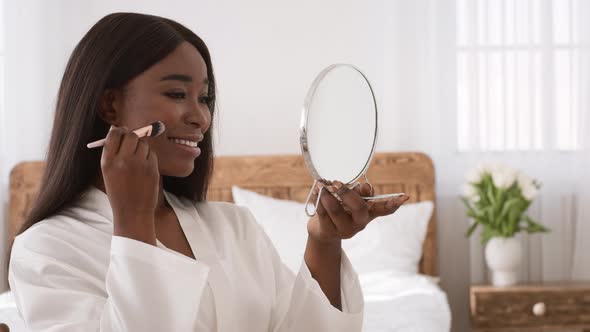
427,73
581,254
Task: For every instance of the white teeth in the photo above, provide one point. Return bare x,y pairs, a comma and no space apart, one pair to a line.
185,142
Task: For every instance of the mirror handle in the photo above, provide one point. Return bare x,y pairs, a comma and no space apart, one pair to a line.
307,202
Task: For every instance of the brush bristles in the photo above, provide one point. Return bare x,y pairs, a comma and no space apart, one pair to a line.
157,128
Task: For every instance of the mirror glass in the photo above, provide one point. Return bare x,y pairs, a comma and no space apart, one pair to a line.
339,124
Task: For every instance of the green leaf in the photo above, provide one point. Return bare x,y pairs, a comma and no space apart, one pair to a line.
534,227
472,228
487,234
467,202
490,195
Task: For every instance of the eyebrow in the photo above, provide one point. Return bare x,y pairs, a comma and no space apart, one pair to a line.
181,77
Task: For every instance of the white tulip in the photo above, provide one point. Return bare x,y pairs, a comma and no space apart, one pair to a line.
528,187
503,176
470,192
475,175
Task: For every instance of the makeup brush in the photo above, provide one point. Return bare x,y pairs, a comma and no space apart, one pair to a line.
152,130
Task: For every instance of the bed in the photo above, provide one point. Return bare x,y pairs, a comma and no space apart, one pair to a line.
405,302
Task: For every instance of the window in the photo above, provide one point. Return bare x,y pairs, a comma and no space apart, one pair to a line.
519,74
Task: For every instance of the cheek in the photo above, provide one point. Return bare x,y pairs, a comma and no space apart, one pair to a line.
149,109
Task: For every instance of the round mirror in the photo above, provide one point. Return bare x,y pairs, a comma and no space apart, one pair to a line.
338,129
339,124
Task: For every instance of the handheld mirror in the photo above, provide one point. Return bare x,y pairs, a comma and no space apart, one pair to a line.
338,130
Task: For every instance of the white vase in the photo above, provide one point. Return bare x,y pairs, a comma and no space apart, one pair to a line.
503,256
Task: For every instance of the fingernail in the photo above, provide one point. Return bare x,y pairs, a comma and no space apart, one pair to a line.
112,127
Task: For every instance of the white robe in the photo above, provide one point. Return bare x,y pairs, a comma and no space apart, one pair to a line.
69,273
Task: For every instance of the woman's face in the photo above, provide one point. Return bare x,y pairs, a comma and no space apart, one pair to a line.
174,91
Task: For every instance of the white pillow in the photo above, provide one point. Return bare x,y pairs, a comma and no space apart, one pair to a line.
391,243
285,223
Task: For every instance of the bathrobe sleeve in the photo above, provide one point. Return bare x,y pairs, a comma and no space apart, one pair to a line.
300,303
147,288
303,306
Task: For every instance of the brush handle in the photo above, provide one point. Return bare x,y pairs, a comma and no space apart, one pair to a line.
96,144
141,132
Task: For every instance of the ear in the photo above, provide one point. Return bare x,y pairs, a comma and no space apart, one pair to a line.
110,107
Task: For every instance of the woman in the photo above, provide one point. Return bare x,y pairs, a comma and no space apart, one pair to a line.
123,239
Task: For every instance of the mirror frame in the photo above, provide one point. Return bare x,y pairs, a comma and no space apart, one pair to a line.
304,121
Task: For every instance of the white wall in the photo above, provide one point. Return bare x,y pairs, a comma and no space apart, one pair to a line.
265,56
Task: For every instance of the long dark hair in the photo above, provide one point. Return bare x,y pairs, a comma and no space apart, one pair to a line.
115,50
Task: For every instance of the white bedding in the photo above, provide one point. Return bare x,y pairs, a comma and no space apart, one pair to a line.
410,303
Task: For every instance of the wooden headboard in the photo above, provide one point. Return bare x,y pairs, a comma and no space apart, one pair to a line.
284,177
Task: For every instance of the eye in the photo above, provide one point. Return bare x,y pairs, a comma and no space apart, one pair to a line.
204,99
176,95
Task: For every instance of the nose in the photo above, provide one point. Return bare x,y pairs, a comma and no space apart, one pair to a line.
199,116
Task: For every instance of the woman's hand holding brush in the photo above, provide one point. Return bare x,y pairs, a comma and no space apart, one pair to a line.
131,178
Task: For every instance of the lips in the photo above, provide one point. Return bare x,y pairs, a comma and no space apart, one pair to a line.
186,142
190,140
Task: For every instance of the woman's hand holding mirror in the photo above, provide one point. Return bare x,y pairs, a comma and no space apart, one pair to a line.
342,212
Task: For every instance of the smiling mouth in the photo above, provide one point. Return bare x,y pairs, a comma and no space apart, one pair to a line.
190,143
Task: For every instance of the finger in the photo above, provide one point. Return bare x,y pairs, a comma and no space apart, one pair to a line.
327,228
383,208
367,190
129,144
153,159
143,149
363,189
320,209
355,204
340,218
112,143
